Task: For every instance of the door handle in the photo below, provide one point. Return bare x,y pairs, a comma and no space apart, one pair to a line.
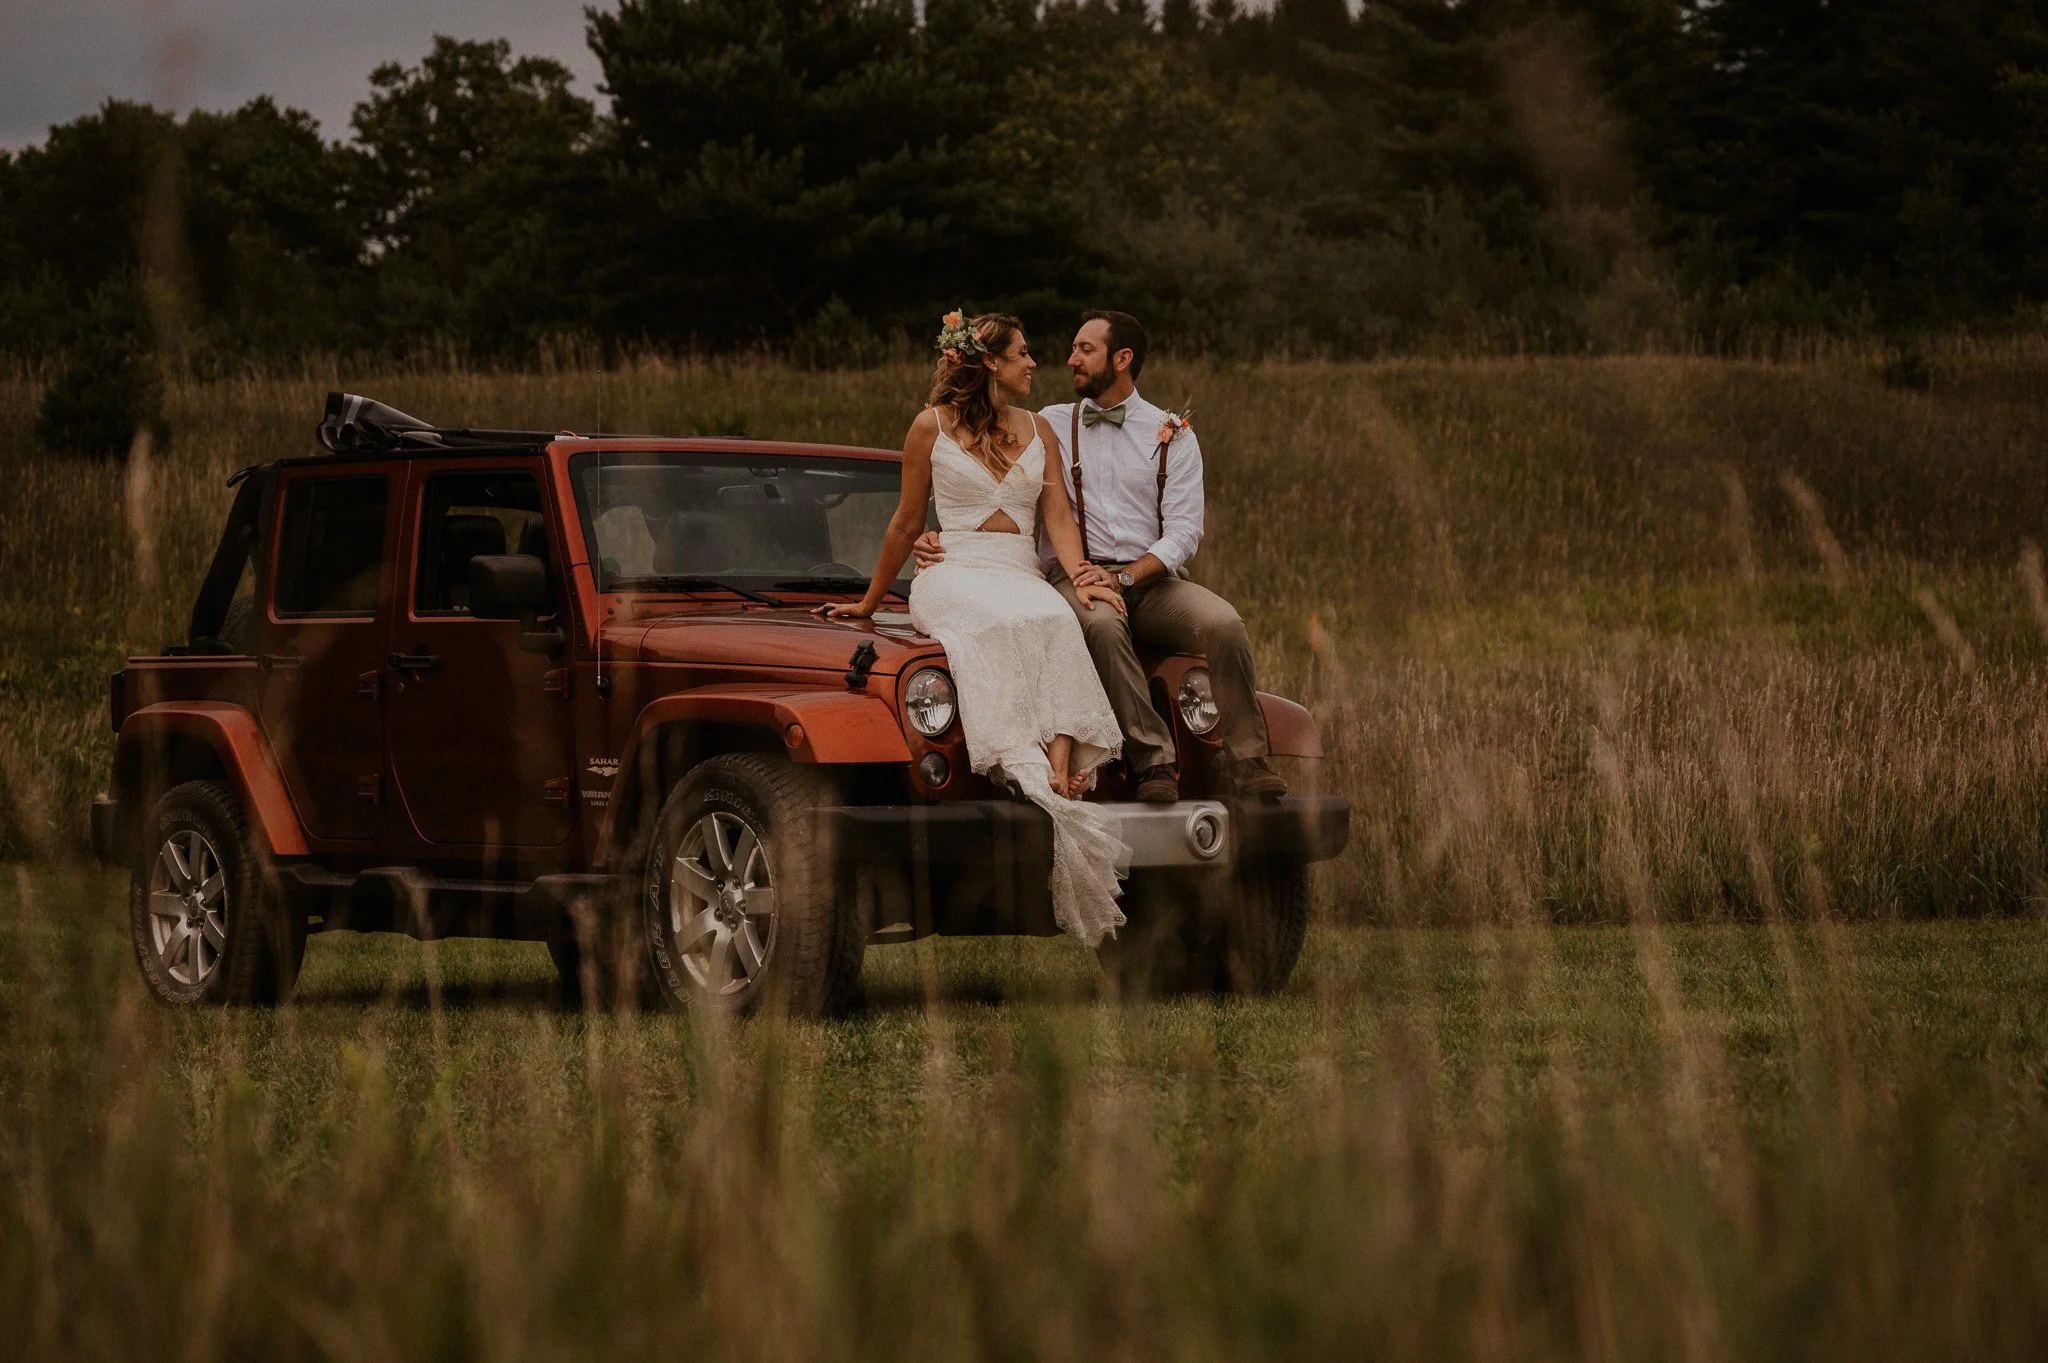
272,662
414,662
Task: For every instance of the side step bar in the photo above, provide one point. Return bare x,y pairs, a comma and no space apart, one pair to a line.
421,904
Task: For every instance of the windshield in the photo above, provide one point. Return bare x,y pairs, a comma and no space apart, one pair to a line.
659,521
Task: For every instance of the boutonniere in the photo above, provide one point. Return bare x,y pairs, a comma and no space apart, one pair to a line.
1176,422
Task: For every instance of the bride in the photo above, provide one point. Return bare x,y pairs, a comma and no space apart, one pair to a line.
1033,711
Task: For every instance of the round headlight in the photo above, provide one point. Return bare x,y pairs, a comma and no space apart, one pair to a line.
929,701
1197,701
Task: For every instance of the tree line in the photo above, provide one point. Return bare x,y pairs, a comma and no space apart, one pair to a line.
824,177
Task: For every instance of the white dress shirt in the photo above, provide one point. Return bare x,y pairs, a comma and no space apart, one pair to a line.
1120,485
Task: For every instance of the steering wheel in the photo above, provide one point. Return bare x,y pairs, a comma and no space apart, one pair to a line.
834,569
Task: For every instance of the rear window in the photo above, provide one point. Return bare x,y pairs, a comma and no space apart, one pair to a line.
330,552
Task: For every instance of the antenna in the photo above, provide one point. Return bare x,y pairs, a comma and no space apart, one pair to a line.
604,688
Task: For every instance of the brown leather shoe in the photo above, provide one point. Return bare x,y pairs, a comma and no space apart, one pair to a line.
1255,779
1157,786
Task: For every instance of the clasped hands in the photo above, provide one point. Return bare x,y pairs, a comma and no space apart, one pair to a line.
1092,584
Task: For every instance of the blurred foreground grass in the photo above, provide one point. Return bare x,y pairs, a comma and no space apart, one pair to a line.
1703,1142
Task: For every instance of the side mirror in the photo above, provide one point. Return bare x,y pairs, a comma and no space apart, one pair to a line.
514,587
507,586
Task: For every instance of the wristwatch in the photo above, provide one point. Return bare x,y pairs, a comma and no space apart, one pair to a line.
1123,578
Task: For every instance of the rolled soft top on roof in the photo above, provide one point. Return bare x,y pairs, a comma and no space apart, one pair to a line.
354,424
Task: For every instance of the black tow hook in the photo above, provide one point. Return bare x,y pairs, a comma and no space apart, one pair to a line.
863,661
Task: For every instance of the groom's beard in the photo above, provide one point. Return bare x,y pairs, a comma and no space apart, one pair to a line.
1092,386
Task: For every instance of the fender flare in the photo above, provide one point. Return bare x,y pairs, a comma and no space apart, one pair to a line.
1290,729
237,742
811,724
831,727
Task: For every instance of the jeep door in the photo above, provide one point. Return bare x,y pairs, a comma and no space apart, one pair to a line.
480,731
321,647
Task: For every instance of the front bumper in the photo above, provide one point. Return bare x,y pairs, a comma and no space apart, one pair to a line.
1190,833
981,866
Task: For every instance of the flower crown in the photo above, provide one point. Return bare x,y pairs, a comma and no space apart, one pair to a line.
957,340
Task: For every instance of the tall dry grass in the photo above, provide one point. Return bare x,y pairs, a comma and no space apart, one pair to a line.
1625,640
1791,599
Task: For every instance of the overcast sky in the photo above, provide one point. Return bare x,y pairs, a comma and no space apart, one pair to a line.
62,58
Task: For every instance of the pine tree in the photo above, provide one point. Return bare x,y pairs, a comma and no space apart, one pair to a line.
109,389
773,157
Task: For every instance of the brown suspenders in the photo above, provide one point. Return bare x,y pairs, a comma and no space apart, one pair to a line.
1159,498
1081,498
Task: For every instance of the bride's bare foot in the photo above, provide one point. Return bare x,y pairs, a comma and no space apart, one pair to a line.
1077,785
1060,753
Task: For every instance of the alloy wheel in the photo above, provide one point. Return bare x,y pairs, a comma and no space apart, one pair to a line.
188,907
721,904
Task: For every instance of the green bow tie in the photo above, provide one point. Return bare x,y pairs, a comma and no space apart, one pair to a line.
1095,416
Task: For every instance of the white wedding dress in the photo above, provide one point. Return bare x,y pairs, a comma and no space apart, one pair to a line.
1021,670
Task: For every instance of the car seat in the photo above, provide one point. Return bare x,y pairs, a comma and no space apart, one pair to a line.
533,539
625,546
533,542
464,537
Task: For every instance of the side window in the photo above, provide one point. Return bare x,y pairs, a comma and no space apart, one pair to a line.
470,514
330,551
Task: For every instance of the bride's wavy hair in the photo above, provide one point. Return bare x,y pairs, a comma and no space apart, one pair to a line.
964,385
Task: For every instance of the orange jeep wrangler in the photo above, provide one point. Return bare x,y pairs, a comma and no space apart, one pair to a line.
568,690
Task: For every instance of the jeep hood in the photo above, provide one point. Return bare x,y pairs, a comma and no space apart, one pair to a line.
747,638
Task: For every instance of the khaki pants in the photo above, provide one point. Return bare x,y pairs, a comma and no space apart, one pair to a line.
1173,615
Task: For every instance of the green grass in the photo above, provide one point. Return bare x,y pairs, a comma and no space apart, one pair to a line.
1690,1142
1718,571
1693,716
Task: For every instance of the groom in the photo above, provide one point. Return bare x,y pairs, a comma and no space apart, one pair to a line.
1141,519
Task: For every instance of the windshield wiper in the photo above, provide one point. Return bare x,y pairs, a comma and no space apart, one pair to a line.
691,584
829,584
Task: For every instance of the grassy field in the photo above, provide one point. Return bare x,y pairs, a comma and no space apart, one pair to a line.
1698,1142
1677,698
1604,636
1625,1142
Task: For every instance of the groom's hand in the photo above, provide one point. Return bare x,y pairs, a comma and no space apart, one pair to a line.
1094,575
928,549
1090,597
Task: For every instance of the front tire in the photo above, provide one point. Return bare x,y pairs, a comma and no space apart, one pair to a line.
204,923
737,902
1193,932
1169,944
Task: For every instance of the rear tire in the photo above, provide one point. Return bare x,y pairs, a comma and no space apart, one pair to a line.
1267,913
206,925
738,906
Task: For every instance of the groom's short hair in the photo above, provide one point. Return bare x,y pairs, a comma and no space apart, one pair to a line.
1124,334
